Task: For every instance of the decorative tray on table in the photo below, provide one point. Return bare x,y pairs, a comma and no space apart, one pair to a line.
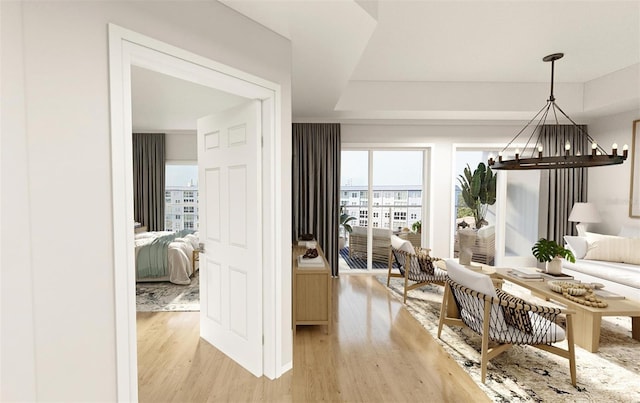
577,292
567,287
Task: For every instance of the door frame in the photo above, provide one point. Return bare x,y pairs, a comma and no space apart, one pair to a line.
127,48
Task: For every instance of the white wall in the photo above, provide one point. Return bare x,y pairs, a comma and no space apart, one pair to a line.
59,141
442,138
521,222
609,187
181,146
17,371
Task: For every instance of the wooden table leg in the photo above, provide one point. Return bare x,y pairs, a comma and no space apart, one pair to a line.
587,326
635,327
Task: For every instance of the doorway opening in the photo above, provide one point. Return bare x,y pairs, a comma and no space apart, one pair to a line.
126,49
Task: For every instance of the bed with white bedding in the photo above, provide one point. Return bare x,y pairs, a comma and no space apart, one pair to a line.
165,256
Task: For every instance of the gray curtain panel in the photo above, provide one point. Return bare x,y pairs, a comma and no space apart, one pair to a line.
316,185
566,186
149,179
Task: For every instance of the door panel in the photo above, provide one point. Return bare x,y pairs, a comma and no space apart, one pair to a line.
231,284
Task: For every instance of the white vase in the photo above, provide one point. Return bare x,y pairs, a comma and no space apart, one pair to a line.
554,266
467,239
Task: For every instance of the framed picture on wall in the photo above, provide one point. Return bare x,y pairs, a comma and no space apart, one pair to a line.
634,196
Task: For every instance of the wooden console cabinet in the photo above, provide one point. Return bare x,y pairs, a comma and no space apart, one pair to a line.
311,292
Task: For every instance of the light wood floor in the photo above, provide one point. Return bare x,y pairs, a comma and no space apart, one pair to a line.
377,353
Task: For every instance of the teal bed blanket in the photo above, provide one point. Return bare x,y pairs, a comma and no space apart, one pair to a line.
152,260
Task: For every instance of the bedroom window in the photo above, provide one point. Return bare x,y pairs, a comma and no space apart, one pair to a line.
181,197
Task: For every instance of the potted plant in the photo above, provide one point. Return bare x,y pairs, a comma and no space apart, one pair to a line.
550,252
478,191
417,226
344,227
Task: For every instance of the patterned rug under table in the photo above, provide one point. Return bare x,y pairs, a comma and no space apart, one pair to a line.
166,296
524,373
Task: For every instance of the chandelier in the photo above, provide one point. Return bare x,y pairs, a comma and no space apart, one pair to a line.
568,159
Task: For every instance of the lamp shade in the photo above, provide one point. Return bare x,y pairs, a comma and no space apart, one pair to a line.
584,212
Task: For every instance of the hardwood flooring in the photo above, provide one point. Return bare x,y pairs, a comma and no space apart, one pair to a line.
376,353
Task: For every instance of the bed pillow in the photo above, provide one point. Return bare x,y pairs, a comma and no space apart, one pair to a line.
613,248
577,244
193,240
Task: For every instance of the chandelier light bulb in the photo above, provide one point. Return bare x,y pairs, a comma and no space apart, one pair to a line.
625,151
625,147
567,146
594,145
614,146
539,149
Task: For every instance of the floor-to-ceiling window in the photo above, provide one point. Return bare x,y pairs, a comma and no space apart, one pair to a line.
513,218
383,190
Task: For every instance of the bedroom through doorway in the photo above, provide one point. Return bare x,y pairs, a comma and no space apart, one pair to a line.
167,107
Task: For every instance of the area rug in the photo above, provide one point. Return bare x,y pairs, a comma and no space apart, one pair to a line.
166,296
356,262
524,373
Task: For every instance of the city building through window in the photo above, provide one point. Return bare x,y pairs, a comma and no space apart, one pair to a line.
181,197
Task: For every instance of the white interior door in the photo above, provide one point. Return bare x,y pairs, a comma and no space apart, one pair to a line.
229,145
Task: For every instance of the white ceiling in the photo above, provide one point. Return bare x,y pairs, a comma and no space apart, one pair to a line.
451,42
423,61
499,41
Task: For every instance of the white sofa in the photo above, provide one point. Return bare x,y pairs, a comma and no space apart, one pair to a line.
608,259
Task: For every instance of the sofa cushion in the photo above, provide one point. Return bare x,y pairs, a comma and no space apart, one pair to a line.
359,230
578,245
486,232
381,233
620,273
613,248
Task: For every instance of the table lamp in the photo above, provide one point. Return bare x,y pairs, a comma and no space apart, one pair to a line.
583,214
